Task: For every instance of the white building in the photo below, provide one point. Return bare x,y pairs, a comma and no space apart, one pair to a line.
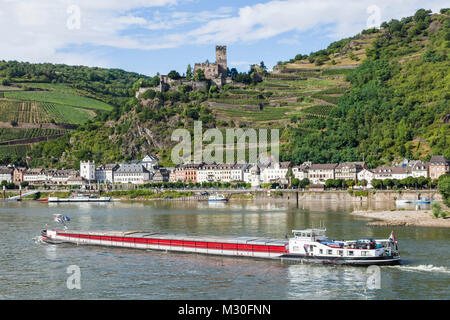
223,172
6,174
207,173
382,173
61,176
367,175
252,175
419,169
87,170
319,173
150,162
76,181
105,173
134,173
35,176
276,172
301,172
237,171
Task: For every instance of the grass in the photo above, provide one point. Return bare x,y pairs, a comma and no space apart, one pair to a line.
59,98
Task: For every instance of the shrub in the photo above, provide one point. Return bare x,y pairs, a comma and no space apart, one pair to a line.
436,210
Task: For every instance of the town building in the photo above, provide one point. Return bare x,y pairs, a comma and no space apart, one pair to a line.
105,173
301,172
319,173
207,173
87,170
419,169
150,162
438,166
35,176
252,175
400,172
160,175
276,172
237,171
77,180
134,173
223,172
366,175
18,175
6,174
61,176
349,170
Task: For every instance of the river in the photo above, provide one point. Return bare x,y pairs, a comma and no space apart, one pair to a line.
33,270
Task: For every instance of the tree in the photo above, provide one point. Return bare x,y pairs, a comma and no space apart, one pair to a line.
444,188
233,73
377,184
421,14
263,66
304,183
174,75
199,75
189,72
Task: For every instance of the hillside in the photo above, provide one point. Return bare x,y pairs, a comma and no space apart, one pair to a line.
398,101
377,96
45,101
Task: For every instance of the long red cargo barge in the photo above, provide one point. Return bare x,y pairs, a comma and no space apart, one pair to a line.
310,245
233,246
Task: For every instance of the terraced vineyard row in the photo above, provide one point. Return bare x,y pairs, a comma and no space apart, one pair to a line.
318,110
10,152
40,112
8,134
59,98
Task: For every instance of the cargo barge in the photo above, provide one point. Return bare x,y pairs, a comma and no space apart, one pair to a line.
306,246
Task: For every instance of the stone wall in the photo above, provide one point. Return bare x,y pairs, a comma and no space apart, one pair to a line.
344,196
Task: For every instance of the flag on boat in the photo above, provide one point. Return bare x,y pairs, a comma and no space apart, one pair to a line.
392,239
60,218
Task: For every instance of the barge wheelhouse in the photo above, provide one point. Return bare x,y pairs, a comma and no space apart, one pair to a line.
311,245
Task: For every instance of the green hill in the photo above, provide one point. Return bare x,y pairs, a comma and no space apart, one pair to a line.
50,97
397,103
377,96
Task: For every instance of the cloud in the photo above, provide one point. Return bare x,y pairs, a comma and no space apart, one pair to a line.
267,20
37,30
40,30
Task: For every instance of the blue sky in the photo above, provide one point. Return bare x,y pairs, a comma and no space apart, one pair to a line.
149,36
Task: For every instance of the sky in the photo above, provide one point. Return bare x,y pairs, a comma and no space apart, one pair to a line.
150,36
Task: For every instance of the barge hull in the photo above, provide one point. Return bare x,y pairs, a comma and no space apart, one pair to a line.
366,261
232,246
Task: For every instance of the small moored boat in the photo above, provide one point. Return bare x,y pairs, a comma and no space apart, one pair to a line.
217,197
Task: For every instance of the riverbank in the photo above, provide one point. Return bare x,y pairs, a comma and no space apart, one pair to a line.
419,218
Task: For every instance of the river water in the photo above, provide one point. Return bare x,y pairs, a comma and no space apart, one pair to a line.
33,270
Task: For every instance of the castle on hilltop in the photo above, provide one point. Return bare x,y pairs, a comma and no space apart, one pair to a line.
216,72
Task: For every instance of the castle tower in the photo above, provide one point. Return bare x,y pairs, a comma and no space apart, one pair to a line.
221,59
